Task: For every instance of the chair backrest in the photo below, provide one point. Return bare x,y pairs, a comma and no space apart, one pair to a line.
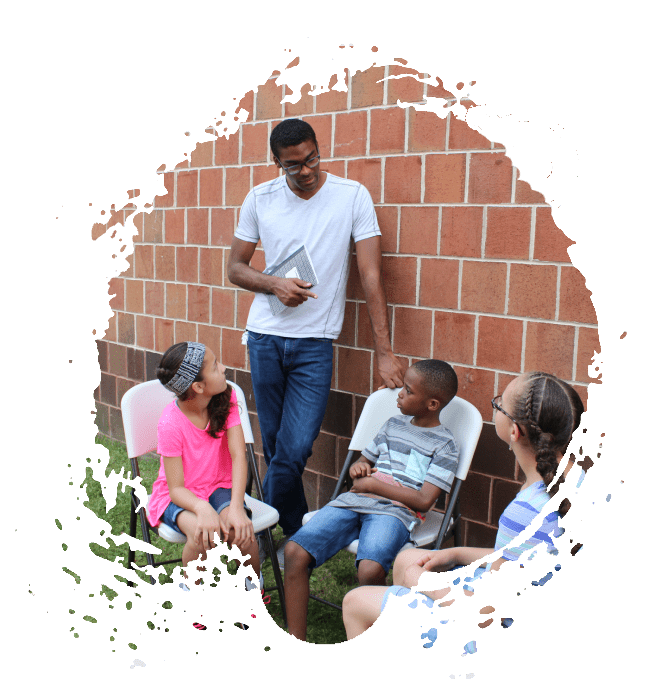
459,416
142,406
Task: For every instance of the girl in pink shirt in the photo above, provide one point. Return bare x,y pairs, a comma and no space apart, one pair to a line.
201,482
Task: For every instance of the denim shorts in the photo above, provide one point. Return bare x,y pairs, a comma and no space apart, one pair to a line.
380,536
219,499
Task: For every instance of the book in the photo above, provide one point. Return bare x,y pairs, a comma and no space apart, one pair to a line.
297,266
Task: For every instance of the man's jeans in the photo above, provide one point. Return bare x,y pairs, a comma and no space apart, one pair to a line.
291,379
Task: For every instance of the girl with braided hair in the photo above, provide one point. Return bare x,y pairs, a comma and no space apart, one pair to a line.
536,415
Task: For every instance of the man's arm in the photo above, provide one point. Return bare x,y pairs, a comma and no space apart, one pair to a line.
368,256
291,292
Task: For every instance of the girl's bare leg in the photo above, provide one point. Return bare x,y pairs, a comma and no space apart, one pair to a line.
360,609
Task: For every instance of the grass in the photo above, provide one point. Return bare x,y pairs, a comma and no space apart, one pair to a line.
331,581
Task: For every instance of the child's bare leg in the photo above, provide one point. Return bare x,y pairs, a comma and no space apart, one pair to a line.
371,573
187,522
402,562
360,609
297,588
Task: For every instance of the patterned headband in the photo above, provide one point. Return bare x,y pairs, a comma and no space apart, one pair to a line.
190,367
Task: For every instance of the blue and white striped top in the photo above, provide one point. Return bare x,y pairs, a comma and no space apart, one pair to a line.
518,515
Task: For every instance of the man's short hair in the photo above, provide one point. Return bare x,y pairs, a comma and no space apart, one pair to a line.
291,132
438,378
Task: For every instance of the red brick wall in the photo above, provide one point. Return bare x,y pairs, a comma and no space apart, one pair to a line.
475,270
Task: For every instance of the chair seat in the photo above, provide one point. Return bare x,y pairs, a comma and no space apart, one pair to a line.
424,533
263,516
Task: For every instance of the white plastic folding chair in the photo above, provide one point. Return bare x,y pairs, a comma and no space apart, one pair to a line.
141,407
465,423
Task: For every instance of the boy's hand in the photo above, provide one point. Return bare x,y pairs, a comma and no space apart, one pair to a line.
237,519
361,469
207,525
362,485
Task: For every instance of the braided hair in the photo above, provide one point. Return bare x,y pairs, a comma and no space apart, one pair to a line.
549,411
219,405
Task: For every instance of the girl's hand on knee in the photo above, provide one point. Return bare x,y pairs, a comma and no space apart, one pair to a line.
237,519
207,525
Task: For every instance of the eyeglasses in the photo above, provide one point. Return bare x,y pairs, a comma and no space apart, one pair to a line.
496,403
295,169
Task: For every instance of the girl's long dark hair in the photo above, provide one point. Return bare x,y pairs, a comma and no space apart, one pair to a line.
219,405
549,411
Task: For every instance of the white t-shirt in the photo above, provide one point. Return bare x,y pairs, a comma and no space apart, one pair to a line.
341,210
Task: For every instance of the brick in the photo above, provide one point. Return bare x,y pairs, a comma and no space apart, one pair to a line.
490,180
210,337
144,331
350,134
197,226
475,497
403,178
233,352
399,279
101,418
152,359
246,102
175,231
463,137
111,333
582,393
322,459
499,343
237,185
222,307
130,272
187,264
550,242
255,138
588,345
123,386
102,350
311,489
222,226
532,290
439,283
404,89
264,173
184,332
483,286
365,338
164,334
244,301
126,328
323,130
211,187
166,200
135,296
116,289
387,218
437,91
426,131
387,131
135,360
461,231
199,300
144,261
108,389
352,369
366,90
503,493
478,535
304,105
550,348
337,418
212,266
333,100
367,171
175,301
348,333
98,229
336,167
164,256
187,188
227,150
525,194
508,233
454,337
152,226
117,360
269,96
202,155
418,230
492,455
575,299
412,334
476,385
445,178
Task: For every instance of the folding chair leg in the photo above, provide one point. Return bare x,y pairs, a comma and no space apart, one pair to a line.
132,530
270,547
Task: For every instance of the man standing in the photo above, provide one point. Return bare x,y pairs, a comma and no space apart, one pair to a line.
291,353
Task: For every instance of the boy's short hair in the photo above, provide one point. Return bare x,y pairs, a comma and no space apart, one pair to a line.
439,379
291,132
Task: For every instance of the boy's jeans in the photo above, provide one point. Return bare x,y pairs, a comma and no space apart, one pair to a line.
291,379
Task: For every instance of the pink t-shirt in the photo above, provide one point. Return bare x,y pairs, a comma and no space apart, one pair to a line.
207,462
